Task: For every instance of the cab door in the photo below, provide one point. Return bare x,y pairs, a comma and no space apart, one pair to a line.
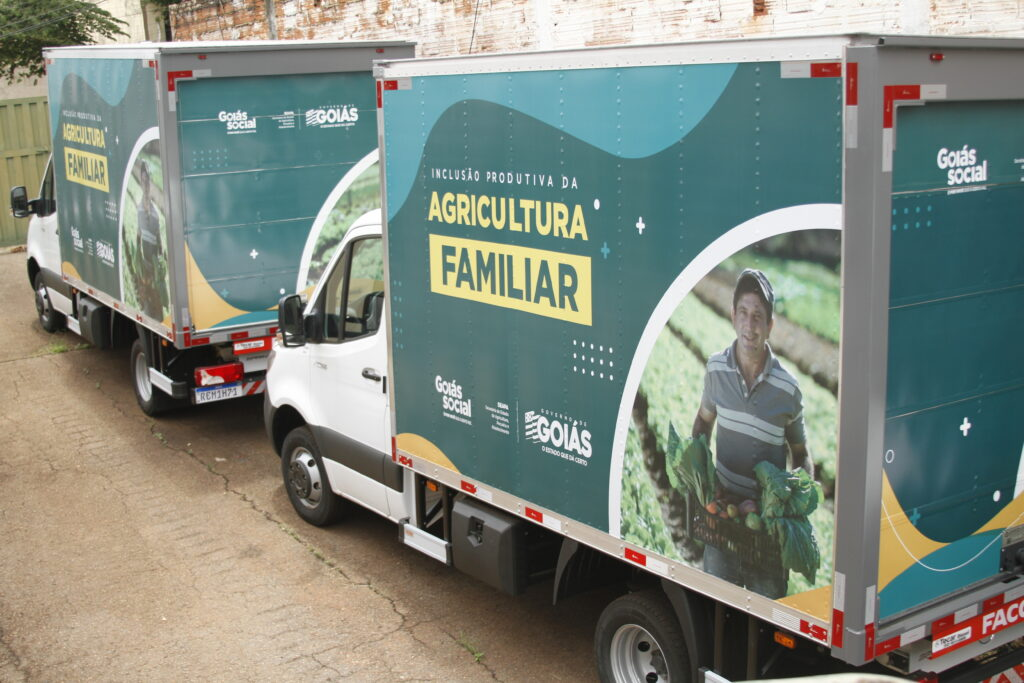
347,375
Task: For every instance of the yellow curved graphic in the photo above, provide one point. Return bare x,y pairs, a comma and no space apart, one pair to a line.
816,602
422,448
901,544
206,306
69,270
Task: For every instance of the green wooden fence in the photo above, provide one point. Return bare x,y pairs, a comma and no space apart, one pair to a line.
25,146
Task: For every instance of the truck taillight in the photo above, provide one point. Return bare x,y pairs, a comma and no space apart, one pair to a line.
213,375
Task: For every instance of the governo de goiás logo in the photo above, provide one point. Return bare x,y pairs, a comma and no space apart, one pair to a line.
559,435
334,116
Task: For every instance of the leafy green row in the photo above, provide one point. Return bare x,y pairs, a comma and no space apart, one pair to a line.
673,382
642,521
805,293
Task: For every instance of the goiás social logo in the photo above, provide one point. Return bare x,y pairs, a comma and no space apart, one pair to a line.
962,165
237,121
559,435
454,403
335,116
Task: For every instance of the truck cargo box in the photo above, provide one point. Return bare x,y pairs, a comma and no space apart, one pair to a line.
194,185
572,241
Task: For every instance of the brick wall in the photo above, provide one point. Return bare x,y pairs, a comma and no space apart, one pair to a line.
446,27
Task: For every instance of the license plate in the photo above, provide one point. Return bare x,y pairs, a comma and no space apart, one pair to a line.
217,393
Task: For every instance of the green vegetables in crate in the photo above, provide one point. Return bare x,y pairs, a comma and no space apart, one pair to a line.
689,465
787,498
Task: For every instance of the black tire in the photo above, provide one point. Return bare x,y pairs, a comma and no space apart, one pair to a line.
50,319
151,400
638,640
305,480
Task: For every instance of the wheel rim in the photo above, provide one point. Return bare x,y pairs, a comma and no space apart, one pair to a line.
637,657
304,478
42,302
142,383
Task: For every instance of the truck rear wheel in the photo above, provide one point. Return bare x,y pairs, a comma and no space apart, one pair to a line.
638,640
305,480
49,318
151,400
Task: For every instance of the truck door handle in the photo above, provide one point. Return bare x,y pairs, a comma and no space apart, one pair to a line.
370,373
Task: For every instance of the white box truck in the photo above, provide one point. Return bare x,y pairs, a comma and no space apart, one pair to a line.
191,185
734,325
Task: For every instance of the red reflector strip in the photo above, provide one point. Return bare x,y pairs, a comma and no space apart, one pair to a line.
198,341
239,335
851,84
391,85
837,628
394,450
992,603
252,346
814,631
891,93
634,556
253,388
826,70
887,646
535,515
467,487
869,642
380,96
172,76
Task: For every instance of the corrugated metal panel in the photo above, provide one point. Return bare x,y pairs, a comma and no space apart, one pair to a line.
25,146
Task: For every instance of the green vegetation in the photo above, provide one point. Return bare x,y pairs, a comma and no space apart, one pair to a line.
361,196
27,26
470,648
642,521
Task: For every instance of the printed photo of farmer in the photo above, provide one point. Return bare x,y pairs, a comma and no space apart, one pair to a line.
759,409
144,237
729,463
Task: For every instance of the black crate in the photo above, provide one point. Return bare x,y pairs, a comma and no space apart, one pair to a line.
732,536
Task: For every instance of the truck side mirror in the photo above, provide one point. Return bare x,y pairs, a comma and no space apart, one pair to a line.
19,202
290,320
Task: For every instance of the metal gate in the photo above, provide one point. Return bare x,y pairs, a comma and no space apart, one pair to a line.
25,145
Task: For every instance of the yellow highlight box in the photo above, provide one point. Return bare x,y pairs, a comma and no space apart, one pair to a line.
86,168
534,281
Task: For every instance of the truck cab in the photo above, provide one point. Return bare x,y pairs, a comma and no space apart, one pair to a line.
326,405
52,295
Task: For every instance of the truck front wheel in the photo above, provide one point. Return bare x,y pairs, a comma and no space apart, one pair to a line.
638,640
49,318
151,400
305,479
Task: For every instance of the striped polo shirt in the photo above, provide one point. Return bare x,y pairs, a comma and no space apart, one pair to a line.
753,425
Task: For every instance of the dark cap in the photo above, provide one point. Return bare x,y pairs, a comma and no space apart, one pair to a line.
751,280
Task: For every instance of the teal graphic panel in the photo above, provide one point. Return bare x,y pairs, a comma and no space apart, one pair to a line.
954,440
549,219
259,157
101,110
